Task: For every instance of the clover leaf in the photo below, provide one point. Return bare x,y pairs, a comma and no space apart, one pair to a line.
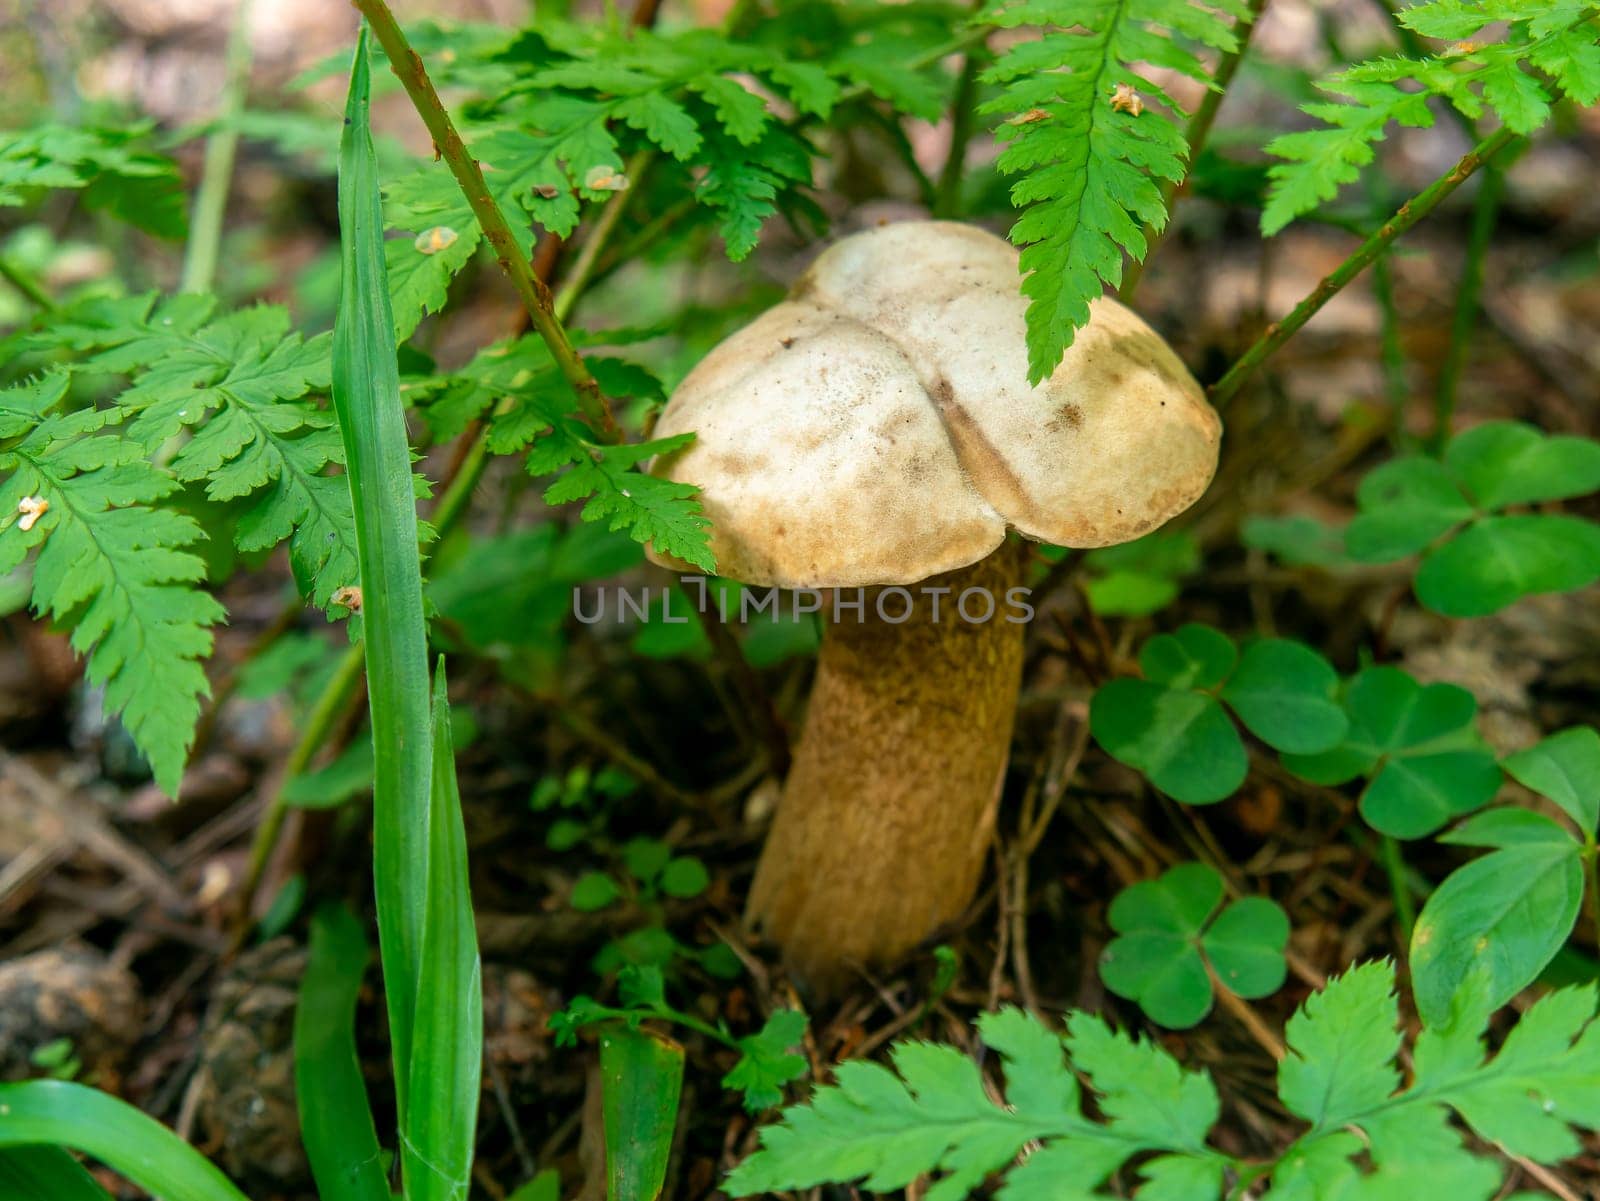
1476,558
1417,747
1173,725
1172,942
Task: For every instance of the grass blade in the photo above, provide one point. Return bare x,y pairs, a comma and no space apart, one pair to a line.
447,1045
366,397
46,1174
114,1132
642,1077
335,1115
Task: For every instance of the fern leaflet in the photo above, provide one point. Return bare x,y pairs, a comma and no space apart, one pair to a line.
1086,148
108,562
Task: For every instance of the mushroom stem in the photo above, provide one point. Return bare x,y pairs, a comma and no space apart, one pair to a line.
886,817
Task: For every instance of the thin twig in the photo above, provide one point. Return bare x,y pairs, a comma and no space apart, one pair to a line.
1412,211
534,293
1195,135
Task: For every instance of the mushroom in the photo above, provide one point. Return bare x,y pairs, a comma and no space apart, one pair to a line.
877,430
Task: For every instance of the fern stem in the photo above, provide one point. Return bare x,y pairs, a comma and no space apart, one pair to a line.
535,295
216,176
1409,213
1394,864
1390,352
22,280
1485,214
1195,135
589,253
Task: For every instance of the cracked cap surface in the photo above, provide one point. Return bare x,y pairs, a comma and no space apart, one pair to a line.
878,427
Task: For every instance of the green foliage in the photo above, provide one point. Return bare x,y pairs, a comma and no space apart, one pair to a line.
1172,724
1089,167
1174,932
109,562
1366,1136
113,167
767,1059
1140,577
1477,557
1548,48
641,1080
1505,916
1417,747
231,391
536,408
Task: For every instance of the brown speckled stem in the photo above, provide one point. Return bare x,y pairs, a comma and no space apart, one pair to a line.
886,817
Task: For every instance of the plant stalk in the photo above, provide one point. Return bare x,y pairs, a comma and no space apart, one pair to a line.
1485,214
534,293
1195,135
216,176
1412,211
947,193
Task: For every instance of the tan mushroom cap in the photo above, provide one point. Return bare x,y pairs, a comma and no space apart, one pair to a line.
878,426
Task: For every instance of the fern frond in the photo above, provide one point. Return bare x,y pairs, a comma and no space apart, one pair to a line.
239,383
1085,146
1555,36
109,563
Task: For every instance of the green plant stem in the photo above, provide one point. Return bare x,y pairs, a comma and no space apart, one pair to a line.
1412,211
947,193
216,176
1405,910
336,697
532,290
1485,214
22,280
1391,353
1195,135
1591,882
583,266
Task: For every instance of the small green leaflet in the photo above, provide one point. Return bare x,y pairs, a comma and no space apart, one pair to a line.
769,1061
109,562
1418,748
1087,168
1169,930
1172,724
1140,577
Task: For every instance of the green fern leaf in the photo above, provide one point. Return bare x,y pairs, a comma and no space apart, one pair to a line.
110,564
1086,152
239,383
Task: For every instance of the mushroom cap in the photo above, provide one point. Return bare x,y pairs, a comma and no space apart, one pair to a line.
878,426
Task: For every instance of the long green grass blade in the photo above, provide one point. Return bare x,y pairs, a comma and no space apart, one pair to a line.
641,1078
447,1044
335,1115
129,1142
46,1174
366,397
